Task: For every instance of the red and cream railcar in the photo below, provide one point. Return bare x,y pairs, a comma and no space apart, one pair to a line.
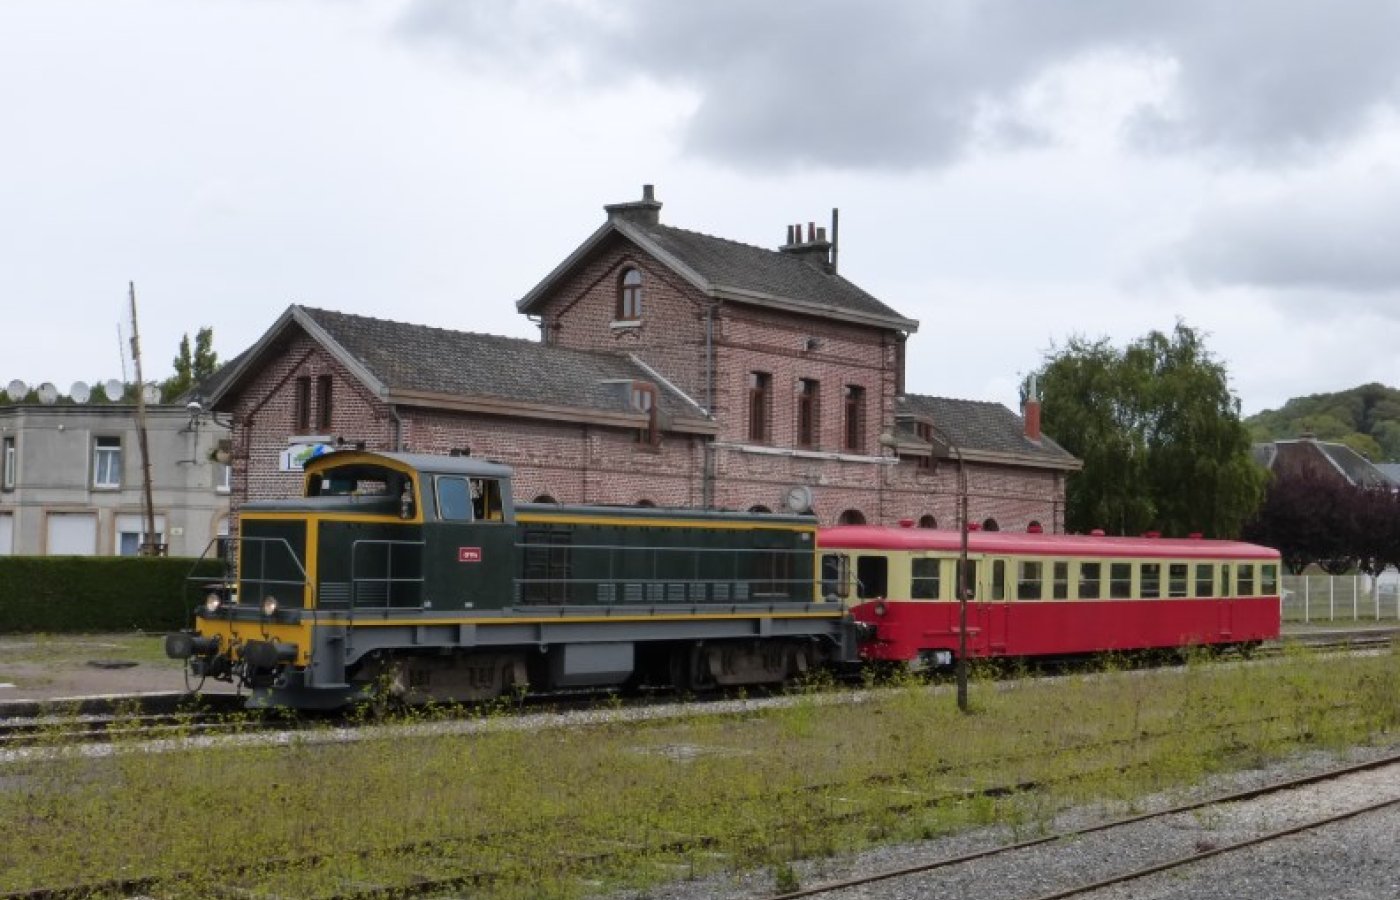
1046,594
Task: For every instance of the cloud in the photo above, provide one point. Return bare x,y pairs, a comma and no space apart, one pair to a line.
1319,237
906,84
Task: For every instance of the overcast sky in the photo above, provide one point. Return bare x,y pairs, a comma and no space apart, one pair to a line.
1009,172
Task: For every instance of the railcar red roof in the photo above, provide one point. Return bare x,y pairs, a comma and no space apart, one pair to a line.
878,537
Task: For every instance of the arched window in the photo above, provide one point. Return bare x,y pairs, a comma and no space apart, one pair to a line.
928,522
1034,528
851,517
629,296
759,508
644,502
991,525
545,498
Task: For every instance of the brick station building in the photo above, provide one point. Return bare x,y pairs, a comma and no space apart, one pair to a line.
674,369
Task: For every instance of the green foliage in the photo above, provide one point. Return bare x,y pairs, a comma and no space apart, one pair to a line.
1365,418
1159,433
191,367
94,593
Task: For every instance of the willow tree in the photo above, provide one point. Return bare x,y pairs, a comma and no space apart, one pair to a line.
1159,433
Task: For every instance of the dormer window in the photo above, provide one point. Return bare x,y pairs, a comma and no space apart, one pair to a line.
629,296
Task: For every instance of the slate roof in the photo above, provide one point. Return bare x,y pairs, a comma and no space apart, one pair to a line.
743,267
1310,455
732,271
979,427
396,359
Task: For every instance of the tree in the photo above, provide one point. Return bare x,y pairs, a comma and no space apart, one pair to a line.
1159,434
191,368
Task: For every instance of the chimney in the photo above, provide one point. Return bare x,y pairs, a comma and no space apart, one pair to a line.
1031,411
644,212
815,249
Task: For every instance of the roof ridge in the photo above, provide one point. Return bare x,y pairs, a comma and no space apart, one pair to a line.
499,338
908,395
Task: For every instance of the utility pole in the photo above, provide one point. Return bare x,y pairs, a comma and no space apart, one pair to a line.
962,584
964,588
149,545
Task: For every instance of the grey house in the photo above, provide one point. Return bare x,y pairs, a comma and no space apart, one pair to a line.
71,481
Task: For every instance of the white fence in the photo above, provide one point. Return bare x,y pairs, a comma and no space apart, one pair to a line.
1341,598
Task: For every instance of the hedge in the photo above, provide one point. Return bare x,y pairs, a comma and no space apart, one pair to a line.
92,593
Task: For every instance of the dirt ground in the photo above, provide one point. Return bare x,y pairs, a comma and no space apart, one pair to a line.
49,667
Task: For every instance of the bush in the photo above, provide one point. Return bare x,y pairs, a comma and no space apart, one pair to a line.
87,593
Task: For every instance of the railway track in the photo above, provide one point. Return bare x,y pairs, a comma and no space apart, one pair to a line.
445,864
1201,850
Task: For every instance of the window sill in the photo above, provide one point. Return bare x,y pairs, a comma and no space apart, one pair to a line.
625,324
106,487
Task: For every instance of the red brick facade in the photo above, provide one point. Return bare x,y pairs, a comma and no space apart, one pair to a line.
706,348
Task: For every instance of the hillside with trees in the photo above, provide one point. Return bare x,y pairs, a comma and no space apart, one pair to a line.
1365,418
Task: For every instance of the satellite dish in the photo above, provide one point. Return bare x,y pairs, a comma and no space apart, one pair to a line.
48,393
151,393
80,392
16,390
113,389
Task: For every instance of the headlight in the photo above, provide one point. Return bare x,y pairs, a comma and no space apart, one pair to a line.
269,606
212,602
880,607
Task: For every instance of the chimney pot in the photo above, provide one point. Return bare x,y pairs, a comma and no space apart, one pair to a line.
811,232
648,192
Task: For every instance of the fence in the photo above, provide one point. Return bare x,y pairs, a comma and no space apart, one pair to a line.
1341,598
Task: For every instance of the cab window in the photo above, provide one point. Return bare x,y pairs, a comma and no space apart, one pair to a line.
486,499
836,576
1268,579
454,500
1246,579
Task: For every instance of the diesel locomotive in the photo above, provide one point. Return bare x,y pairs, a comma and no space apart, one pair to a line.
419,577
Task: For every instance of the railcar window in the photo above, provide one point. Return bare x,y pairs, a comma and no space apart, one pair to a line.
1205,580
1227,587
1061,581
1268,579
1028,580
1150,579
1120,580
1246,579
836,576
999,579
925,579
454,500
1178,575
872,576
1090,580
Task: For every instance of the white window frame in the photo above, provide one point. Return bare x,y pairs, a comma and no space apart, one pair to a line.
223,478
9,458
134,524
105,452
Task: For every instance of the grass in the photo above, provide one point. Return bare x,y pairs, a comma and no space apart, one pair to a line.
562,812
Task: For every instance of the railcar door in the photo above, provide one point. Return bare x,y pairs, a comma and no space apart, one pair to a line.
470,544
994,609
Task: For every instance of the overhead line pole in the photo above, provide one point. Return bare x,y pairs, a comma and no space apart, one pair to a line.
149,545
